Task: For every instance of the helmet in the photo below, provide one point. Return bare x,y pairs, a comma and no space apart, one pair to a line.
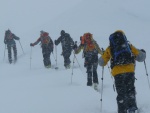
62,32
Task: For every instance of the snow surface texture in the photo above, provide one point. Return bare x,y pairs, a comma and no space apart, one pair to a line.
27,87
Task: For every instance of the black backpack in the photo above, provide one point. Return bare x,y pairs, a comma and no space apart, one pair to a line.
120,50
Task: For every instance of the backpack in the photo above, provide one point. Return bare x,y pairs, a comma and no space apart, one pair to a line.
91,48
8,35
120,50
45,39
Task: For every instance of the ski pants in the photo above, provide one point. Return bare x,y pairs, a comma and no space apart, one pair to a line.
10,52
66,56
91,64
46,55
125,92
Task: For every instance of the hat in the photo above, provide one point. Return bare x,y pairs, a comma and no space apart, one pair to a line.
62,32
120,31
41,31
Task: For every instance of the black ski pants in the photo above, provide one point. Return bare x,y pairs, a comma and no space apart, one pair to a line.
91,64
125,92
10,52
66,56
46,55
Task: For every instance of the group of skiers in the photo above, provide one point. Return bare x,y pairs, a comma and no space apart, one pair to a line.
120,52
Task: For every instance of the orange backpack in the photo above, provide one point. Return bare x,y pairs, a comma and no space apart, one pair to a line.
45,39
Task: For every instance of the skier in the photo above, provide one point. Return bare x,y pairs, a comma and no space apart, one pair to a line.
9,39
90,53
47,47
122,56
67,46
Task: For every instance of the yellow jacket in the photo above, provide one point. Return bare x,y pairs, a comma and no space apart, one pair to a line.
119,69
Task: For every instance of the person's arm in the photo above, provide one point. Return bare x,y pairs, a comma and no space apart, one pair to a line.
78,49
98,49
105,57
35,43
15,37
5,40
140,54
58,40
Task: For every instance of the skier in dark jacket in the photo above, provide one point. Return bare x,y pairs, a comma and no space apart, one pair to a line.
67,46
90,53
123,71
9,39
47,47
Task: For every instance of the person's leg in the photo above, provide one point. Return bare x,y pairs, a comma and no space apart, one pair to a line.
121,93
9,54
89,74
15,52
131,93
67,61
46,57
95,76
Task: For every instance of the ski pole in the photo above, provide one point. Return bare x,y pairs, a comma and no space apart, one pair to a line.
21,46
30,57
102,88
111,78
76,60
4,52
110,74
78,63
147,73
72,68
56,56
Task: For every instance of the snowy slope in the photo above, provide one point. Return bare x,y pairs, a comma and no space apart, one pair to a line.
34,89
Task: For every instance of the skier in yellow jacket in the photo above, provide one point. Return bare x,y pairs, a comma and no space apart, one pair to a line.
123,56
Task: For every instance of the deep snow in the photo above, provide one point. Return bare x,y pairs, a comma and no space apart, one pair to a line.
39,90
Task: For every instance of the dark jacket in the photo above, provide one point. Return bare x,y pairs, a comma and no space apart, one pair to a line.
66,42
10,38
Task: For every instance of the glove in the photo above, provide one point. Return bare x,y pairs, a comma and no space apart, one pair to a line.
31,44
143,50
55,42
82,44
75,46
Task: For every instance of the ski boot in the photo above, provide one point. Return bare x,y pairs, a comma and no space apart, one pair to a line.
132,110
95,85
68,66
48,66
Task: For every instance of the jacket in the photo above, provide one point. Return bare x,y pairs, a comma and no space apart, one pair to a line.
85,48
10,38
46,43
120,69
66,42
